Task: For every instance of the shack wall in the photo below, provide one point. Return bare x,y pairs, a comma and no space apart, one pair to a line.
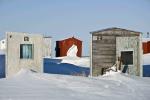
103,53
106,47
13,61
129,44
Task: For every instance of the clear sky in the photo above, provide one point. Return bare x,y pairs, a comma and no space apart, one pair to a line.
66,18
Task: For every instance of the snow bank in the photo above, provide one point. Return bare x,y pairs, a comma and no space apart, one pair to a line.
24,71
146,59
83,62
37,86
3,44
111,73
72,58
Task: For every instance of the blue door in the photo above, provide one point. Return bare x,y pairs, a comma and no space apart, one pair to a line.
146,70
2,66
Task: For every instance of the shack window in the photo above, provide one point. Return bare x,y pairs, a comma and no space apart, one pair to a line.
26,51
99,37
127,57
94,37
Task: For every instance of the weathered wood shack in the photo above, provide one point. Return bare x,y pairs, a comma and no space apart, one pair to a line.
116,46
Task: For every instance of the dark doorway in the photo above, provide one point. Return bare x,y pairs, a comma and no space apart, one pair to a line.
127,59
57,49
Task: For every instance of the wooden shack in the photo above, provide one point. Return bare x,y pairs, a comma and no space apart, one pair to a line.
63,46
118,47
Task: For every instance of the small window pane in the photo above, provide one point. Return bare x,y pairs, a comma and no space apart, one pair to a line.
94,37
99,37
26,51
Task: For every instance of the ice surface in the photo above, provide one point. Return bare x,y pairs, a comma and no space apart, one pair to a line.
27,85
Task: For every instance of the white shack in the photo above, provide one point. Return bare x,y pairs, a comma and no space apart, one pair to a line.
25,50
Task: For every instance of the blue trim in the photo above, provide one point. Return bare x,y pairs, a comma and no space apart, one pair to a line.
146,70
2,66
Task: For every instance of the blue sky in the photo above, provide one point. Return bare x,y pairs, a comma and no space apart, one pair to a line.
66,18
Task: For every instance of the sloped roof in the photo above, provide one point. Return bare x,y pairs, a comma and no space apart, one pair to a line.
115,29
71,38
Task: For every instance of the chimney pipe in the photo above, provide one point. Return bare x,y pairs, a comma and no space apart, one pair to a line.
147,34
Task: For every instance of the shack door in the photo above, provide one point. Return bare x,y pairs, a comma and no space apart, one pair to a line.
127,59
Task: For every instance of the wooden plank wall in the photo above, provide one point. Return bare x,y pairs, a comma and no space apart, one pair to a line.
103,53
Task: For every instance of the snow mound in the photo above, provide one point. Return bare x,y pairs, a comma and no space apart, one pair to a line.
78,61
40,86
72,58
24,72
111,73
3,44
72,51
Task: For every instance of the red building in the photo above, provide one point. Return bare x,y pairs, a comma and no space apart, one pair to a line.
146,47
62,46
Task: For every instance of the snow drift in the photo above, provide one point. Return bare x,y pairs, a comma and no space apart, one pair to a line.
68,65
72,58
27,85
72,52
3,44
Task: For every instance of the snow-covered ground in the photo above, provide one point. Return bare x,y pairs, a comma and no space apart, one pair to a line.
27,85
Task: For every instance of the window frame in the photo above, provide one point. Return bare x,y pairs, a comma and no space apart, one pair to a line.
32,51
132,57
